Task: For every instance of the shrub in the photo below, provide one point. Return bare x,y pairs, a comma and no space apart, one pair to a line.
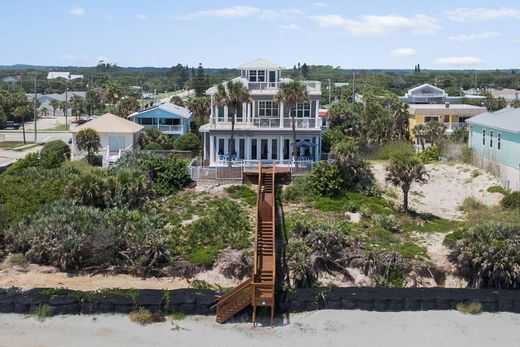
143,316
54,153
88,140
467,155
151,135
242,192
475,173
387,150
30,160
488,255
471,204
204,255
15,259
386,222
469,307
152,146
430,154
511,200
42,311
297,190
330,138
497,189
325,179
188,142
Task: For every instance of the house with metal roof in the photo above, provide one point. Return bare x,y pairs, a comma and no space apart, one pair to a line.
171,119
263,126
65,75
453,116
494,138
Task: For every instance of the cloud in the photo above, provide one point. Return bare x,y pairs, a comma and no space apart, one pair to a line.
141,17
403,52
475,36
380,25
288,27
70,56
458,61
465,14
321,4
77,11
243,12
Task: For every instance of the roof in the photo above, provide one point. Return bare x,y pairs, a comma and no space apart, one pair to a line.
167,107
55,74
109,123
426,86
260,64
442,110
507,119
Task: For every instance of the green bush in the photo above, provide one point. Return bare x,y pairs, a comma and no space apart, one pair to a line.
386,151
497,189
467,155
430,154
188,142
243,192
168,175
297,190
204,255
325,179
330,138
30,160
511,200
54,153
153,146
488,255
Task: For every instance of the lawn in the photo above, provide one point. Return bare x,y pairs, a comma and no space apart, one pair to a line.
12,144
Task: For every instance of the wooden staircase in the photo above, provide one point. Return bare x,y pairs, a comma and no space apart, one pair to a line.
259,290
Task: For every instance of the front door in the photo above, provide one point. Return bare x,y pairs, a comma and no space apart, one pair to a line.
116,142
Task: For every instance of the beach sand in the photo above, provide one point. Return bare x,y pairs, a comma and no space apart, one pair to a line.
319,328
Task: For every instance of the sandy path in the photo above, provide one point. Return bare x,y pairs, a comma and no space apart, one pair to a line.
446,189
320,328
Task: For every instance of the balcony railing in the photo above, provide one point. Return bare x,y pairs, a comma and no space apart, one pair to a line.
269,122
165,127
314,85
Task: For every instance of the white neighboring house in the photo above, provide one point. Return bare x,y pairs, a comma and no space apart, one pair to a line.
66,75
263,131
116,135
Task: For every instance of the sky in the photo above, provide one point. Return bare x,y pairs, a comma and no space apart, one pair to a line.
456,34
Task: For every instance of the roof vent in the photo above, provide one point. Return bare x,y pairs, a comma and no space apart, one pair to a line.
447,105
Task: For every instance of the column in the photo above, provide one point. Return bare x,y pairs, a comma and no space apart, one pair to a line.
225,113
248,118
280,110
211,150
318,125
253,111
247,155
205,147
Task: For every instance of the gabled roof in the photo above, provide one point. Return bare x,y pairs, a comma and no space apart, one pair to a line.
507,119
441,109
109,123
260,64
56,74
182,112
426,86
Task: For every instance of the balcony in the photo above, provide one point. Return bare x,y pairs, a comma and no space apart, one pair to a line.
266,123
312,86
165,128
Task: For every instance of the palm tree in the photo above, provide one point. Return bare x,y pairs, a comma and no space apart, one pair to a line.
404,169
77,104
200,106
64,106
435,130
44,112
113,93
401,115
232,94
176,100
88,139
55,104
420,132
22,112
291,94
127,106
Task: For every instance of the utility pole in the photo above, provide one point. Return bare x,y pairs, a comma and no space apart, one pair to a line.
35,113
330,92
66,104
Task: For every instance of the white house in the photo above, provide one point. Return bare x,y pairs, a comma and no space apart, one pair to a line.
116,134
263,131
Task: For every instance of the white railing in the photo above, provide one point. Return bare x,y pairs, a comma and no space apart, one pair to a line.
164,127
270,122
263,122
300,123
259,86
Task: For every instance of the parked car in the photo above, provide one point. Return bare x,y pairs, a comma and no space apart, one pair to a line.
12,124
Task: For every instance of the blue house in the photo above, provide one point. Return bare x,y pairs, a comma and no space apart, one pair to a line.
495,140
171,119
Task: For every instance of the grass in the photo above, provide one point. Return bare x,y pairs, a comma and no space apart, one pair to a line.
59,127
425,223
15,259
12,144
143,317
41,312
242,192
470,307
497,189
475,173
177,316
204,255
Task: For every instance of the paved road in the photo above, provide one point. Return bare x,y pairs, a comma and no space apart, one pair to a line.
17,135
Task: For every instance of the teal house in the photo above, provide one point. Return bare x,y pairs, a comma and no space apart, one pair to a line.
495,140
171,119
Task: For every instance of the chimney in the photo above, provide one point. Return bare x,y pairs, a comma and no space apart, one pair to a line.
447,105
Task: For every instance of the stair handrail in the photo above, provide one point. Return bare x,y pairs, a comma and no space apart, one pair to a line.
258,194
274,221
226,296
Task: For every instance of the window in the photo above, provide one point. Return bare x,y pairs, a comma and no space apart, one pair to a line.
499,141
274,149
261,76
241,148
267,109
446,119
286,148
484,137
303,110
491,139
220,146
252,76
264,149
430,119
253,149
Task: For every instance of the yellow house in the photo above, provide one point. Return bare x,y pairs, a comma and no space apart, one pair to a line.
453,116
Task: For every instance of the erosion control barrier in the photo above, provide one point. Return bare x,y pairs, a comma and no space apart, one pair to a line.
199,301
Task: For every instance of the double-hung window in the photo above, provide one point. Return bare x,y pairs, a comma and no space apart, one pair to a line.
491,139
261,76
483,137
303,110
267,109
252,75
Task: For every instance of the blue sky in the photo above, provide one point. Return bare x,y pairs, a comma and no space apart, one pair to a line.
352,34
